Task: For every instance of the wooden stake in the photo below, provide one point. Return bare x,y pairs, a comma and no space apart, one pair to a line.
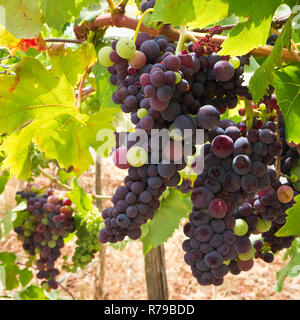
100,267
156,276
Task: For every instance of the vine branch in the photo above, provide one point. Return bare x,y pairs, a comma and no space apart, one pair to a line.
120,20
63,40
276,23
54,179
121,6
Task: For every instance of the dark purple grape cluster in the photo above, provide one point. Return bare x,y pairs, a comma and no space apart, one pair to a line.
48,220
290,155
136,201
163,91
235,169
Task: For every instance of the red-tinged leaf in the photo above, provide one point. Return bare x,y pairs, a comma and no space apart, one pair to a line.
36,43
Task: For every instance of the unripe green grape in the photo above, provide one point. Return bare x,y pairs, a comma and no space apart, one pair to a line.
262,107
103,56
263,225
45,221
37,250
55,237
235,62
125,48
178,77
248,255
143,112
27,233
66,234
45,286
137,156
240,228
294,178
43,243
51,244
27,224
83,258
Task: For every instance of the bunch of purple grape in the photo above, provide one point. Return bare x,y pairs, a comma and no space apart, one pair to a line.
161,91
48,220
290,153
235,169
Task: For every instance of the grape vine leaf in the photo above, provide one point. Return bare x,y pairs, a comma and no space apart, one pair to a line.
287,88
249,71
56,12
64,59
104,88
4,178
9,270
262,78
32,292
22,18
7,221
166,220
292,225
197,13
69,141
292,269
90,12
14,218
7,40
25,276
62,133
254,31
47,93
82,201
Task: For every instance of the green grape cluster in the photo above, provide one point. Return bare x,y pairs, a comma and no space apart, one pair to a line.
87,241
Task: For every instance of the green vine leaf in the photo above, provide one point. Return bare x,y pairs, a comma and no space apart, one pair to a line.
262,78
22,18
292,269
166,220
287,88
48,116
253,32
292,226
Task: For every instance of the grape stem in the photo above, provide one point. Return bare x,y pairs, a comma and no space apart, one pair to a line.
183,36
66,290
10,56
138,27
112,6
53,179
68,188
121,6
249,114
